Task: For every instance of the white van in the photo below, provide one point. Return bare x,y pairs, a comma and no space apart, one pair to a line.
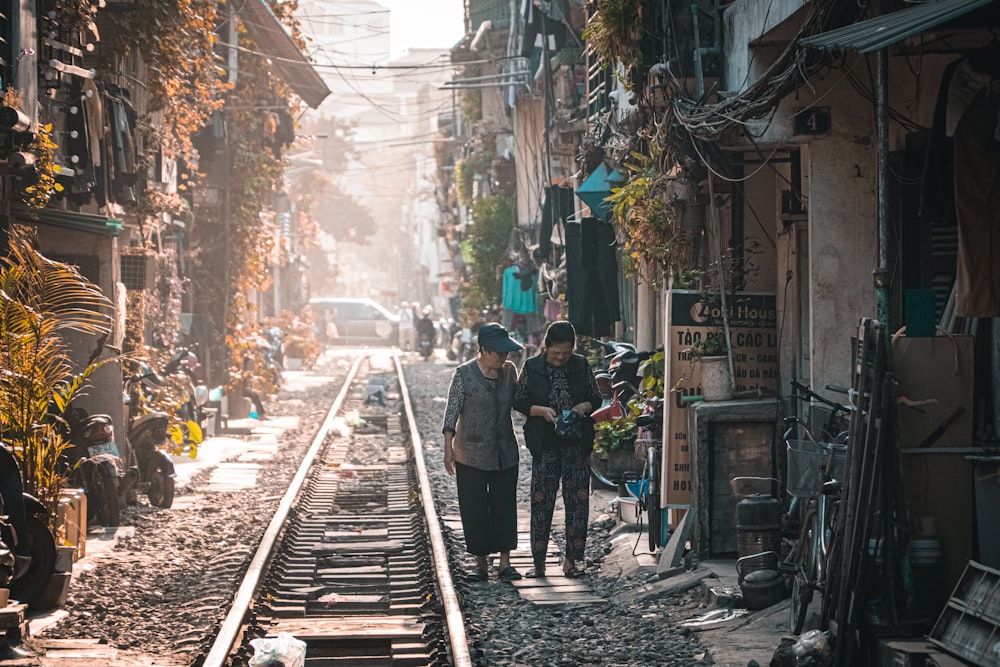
346,321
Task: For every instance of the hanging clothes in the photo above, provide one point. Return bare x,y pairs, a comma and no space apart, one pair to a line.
977,207
592,277
961,181
558,205
517,299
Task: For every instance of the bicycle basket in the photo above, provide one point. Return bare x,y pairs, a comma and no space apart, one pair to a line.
806,460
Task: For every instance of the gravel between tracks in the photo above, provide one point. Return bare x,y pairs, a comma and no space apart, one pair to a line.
158,592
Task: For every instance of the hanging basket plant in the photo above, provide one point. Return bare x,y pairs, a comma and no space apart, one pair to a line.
646,210
614,33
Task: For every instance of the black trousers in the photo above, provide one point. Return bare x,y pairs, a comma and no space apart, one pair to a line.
487,502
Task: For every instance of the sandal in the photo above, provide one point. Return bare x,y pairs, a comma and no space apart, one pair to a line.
478,575
536,573
509,574
572,572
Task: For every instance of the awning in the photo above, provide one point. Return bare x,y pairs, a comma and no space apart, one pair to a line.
886,30
598,187
270,36
81,222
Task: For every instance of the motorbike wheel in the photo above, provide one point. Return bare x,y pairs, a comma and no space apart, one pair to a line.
29,587
104,484
599,473
161,485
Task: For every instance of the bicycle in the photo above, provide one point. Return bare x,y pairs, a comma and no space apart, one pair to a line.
815,477
816,471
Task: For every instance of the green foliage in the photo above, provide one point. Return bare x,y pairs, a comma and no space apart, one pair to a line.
614,32
39,300
493,221
463,183
644,211
713,344
177,40
616,434
37,194
471,106
651,374
592,349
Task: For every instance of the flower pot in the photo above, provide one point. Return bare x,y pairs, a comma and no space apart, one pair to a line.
692,216
237,407
716,382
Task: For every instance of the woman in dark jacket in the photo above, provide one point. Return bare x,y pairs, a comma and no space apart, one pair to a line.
481,450
552,384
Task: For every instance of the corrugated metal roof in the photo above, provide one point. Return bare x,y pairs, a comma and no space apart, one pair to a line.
270,36
886,30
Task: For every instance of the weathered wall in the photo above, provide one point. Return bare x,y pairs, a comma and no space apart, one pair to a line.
529,159
104,394
745,21
839,177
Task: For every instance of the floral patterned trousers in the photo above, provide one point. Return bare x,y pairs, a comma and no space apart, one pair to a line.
571,467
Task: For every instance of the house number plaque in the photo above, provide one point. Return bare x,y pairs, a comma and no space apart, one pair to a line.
812,120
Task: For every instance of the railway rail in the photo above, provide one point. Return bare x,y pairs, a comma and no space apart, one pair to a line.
353,561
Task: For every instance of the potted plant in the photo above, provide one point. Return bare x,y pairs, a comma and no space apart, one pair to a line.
614,33
615,435
297,349
613,447
711,352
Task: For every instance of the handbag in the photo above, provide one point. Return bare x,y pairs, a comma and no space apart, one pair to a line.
569,426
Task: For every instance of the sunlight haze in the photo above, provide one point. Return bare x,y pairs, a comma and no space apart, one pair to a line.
424,23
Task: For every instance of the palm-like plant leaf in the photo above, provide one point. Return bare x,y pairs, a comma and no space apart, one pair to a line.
40,299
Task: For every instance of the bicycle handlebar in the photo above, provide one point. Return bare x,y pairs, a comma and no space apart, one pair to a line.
812,395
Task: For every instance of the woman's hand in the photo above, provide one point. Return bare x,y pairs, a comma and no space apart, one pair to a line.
545,412
449,457
583,409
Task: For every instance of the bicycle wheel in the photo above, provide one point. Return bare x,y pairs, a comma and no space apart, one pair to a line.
804,581
103,492
600,478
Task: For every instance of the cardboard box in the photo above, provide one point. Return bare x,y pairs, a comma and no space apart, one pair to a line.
939,659
71,521
939,371
904,652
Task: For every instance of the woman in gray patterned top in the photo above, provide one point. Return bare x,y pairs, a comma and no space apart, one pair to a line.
481,451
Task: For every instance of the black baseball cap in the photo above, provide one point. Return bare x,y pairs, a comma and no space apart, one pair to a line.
494,337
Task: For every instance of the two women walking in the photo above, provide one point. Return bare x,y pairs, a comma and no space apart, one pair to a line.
556,391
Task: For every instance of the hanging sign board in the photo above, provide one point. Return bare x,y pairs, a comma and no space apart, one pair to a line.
754,337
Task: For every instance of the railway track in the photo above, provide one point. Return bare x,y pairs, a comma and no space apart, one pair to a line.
353,561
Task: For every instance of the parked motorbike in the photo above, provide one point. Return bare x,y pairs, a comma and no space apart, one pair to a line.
623,362
425,345
147,437
188,427
463,345
97,465
27,547
619,386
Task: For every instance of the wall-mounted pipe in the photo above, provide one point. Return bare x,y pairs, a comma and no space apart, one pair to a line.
699,51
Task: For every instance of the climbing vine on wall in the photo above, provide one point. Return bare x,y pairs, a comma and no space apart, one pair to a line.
256,170
177,40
